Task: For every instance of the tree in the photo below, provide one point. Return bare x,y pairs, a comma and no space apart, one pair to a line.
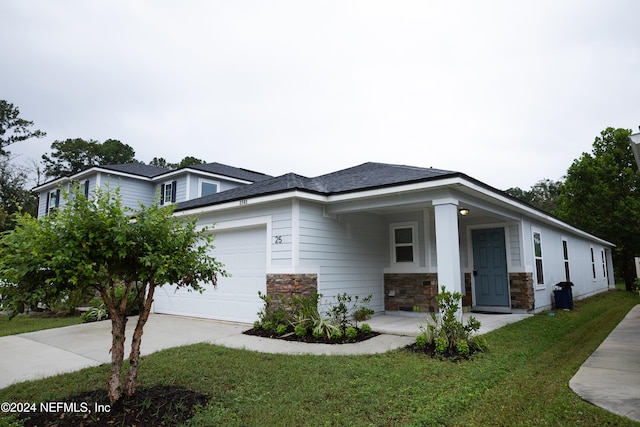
13,193
601,194
75,155
18,129
97,245
187,161
543,194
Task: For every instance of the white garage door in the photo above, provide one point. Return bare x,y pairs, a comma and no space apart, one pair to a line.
243,253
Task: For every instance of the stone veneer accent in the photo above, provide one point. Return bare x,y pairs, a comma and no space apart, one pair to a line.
286,285
521,287
411,290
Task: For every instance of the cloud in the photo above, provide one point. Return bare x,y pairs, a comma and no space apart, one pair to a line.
509,93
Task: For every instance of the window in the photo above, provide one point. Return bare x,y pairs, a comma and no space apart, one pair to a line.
565,255
403,243
207,187
604,264
168,193
53,201
593,264
537,254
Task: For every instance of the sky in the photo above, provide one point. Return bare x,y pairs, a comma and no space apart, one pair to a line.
507,92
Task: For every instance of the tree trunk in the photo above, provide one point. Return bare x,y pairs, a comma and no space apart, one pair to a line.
118,326
136,341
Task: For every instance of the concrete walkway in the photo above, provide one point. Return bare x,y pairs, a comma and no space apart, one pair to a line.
610,377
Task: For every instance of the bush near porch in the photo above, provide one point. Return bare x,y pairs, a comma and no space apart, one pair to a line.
304,318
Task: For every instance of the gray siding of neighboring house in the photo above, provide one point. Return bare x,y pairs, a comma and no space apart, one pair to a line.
194,182
132,190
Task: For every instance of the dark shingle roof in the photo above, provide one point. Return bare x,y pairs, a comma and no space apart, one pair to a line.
357,178
137,169
233,172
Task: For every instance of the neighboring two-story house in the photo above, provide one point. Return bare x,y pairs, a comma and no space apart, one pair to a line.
395,232
140,183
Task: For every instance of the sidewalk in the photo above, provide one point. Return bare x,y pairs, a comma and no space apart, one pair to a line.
610,377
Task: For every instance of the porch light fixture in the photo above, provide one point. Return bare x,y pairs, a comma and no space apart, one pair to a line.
464,211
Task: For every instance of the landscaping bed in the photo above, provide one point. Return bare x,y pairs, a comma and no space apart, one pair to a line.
290,335
154,406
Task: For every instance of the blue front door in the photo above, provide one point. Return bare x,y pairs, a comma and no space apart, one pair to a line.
490,267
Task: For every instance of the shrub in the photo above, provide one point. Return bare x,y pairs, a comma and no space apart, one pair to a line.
300,330
351,332
97,311
446,333
336,333
421,341
365,328
304,315
347,307
273,311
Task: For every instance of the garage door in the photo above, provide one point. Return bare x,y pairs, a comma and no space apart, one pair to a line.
243,253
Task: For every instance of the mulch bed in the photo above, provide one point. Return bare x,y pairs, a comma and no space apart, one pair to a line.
151,406
291,336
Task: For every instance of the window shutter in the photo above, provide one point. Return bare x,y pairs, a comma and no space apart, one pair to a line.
174,184
46,206
86,189
162,194
57,197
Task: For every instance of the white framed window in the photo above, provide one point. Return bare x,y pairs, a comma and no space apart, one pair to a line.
537,255
53,201
207,187
593,264
565,256
604,264
404,248
168,193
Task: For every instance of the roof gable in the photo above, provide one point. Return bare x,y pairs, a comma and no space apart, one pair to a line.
230,171
140,169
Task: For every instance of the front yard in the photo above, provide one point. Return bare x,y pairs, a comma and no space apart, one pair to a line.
24,323
522,380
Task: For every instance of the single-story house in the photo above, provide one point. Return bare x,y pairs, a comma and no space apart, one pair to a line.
395,232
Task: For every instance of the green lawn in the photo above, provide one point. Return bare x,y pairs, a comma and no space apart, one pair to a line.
23,323
523,380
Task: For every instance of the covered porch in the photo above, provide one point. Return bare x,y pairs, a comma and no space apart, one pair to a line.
458,237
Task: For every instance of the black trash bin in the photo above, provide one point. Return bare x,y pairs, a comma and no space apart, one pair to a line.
564,296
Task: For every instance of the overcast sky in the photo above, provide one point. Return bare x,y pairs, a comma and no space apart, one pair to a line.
508,92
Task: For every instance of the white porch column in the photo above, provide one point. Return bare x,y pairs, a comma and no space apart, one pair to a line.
448,245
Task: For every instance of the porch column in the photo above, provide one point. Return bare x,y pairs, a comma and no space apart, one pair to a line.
448,245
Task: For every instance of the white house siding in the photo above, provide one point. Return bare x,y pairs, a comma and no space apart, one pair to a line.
579,249
278,215
346,251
